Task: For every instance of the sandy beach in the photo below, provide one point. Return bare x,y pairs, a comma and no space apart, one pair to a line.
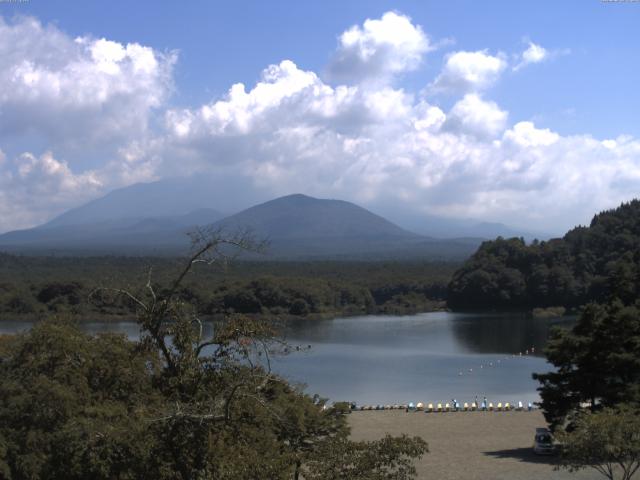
469,445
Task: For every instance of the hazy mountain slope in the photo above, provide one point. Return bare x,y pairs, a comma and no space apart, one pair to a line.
178,196
443,227
118,234
165,198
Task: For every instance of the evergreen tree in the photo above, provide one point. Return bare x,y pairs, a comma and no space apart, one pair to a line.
597,362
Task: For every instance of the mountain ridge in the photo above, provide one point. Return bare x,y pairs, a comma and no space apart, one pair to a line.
181,195
298,226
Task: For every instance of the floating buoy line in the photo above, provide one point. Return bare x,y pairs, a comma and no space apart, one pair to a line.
498,362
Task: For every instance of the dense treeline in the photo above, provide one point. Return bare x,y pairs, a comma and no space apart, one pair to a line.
38,286
598,263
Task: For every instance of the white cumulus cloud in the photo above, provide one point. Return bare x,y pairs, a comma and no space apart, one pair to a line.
474,116
379,49
525,134
469,72
33,187
533,54
76,92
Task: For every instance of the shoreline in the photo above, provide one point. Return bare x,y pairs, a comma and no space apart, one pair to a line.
89,318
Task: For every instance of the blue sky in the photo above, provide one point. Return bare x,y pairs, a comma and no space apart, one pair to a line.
497,141
592,89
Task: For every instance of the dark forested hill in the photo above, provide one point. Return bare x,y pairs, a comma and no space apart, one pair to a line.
594,263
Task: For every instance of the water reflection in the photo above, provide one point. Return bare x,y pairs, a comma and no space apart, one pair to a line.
431,357
505,333
427,357
442,331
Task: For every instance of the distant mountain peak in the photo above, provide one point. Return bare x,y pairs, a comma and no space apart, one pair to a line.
296,196
153,218
293,198
302,216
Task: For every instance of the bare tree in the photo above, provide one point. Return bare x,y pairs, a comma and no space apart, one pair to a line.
220,388
190,359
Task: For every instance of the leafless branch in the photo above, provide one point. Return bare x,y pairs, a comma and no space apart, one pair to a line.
120,291
150,287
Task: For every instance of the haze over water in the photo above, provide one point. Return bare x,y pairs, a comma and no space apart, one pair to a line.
428,357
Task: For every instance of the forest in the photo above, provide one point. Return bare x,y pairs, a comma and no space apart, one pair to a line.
32,286
595,263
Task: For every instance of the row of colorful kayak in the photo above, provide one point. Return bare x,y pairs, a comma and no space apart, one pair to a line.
449,407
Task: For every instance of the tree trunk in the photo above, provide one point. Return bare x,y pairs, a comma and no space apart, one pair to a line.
296,473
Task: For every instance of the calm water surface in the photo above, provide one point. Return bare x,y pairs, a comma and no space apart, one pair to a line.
429,357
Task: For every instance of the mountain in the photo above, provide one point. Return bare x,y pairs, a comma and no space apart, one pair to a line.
296,226
299,226
181,195
162,234
300,216
161,199
144,218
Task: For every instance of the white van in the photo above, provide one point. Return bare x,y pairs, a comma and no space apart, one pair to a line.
543,442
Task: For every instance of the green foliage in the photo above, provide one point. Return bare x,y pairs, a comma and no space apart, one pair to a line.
73,406
607,441
54,291
38,286
596,263
597,362
175,404
389,458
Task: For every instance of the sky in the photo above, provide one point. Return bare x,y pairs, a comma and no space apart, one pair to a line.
517,112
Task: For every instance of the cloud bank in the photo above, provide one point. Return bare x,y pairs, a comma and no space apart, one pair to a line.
354,133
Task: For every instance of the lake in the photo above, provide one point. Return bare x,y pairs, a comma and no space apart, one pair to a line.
428,357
